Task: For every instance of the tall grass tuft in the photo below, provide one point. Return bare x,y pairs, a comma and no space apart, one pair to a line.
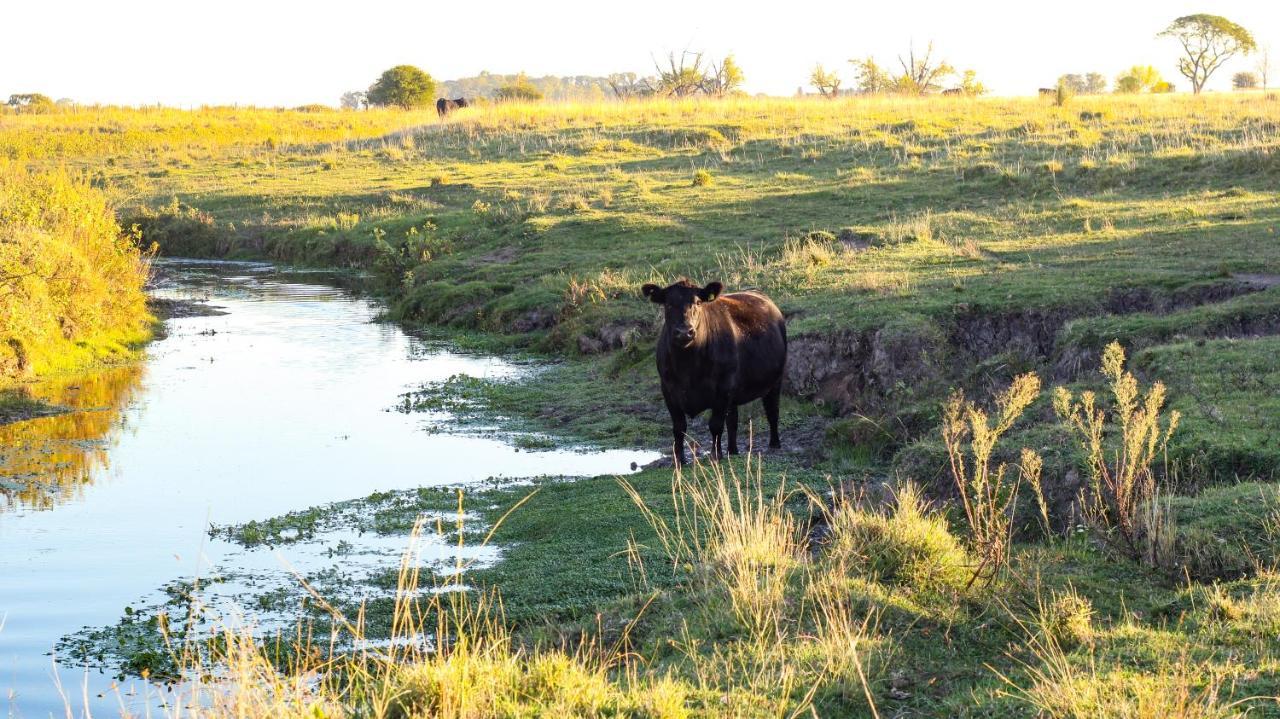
737,534
1178,688
988,496
905,546
1123,503
794,629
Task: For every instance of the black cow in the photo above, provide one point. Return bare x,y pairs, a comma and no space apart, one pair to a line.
717,352
444,106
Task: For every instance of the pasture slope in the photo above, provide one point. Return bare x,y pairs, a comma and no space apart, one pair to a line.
916,246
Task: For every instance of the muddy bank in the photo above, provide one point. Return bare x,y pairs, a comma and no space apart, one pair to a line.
167,309
884,369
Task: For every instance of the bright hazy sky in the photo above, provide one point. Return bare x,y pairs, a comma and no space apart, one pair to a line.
285,52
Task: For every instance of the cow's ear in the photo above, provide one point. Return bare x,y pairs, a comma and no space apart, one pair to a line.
710,292
654,293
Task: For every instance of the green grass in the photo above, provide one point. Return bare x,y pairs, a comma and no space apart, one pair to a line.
566,575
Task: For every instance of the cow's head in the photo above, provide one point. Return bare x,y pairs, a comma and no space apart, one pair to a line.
682,307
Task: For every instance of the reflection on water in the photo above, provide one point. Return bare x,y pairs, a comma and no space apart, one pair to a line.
47,461
283,403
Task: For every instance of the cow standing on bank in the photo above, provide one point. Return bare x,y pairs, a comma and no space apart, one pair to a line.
444,106
717,352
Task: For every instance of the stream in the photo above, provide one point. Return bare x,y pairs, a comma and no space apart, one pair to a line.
284,401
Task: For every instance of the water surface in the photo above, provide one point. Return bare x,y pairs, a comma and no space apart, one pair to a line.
284,402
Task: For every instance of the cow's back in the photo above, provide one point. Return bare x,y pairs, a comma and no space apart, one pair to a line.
757,332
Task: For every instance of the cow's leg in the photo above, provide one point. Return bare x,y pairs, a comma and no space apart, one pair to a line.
716,425
771,412
731,420
679,425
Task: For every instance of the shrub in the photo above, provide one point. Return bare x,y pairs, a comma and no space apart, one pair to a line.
1062,94
1244,81
70,281
702,178
908,546
521,89
1141,78
32,102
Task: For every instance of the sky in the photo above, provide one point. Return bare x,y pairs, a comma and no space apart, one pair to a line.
284,52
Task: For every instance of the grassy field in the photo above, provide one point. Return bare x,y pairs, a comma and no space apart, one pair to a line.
960,241
916,246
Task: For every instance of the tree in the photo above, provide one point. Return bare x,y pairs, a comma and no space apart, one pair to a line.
1264,66
970,86
1244,81
681,78
921,75
1093,83
354,100
32,102
1076,84
825,82
1208,41
1141,78
627,85
723,79
403,86
872,79
1128,85
521,89
487,84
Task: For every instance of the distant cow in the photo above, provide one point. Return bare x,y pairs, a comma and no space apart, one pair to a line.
444,106
717,352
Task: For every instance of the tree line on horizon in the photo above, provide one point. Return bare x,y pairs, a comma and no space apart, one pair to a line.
683,75
1207,43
